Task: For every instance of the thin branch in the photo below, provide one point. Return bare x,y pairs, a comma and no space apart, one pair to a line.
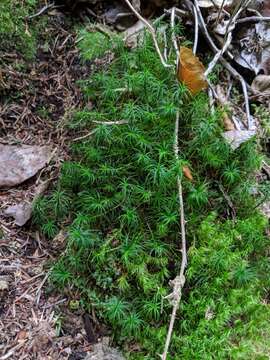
44,9
174,41
152,31
179,282
118,122
218,55
165,52
253,19
196,25
220,10
85,136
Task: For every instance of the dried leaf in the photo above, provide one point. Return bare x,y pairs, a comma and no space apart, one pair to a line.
133,34
228,124
251,53
236,137
102,350
187,172
191,71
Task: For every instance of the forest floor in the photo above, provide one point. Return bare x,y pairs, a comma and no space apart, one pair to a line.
42,95
38,98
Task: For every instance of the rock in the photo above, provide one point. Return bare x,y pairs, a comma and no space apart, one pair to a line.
21,213
102,351
19,163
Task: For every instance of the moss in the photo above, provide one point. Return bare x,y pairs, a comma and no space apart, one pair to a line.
118,197
16,33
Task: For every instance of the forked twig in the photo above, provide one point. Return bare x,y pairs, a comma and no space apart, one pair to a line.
152,31
224,62
179,282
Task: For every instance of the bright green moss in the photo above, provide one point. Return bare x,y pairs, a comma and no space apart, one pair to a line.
119,200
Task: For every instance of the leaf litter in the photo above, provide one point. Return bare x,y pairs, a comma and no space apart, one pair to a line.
36,101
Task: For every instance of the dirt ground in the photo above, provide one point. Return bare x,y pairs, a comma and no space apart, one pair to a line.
36,102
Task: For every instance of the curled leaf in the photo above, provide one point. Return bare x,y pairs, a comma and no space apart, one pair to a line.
191,71
187,172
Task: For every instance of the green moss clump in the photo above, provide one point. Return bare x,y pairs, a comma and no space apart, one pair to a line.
15,32
119,198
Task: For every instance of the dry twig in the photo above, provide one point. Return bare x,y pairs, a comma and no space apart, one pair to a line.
224,62
196,26
179,281
152,31
253,19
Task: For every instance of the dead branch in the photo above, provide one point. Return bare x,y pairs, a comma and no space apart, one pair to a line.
174,41
44,9
152,32
224,62
253,19
196,26
179,282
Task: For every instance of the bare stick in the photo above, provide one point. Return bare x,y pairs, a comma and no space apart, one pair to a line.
13,350
165,52
174,41
218,55
179,282
220,10
44,9
152,31
85,136
118,122
253,19
196,25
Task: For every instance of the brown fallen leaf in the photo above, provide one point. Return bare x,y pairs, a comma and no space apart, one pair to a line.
187,172
191,71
